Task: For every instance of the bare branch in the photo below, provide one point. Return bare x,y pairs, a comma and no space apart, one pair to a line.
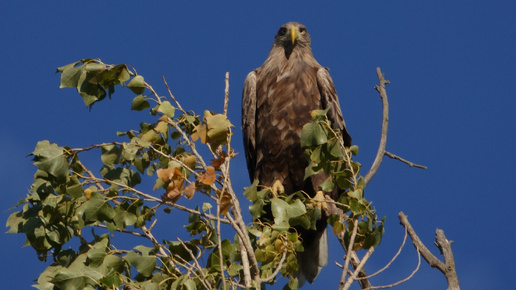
403,280
172,96
342,282
448,267
392,260
194,258
245,263
355,274
385,125
362,277
393,156
226,94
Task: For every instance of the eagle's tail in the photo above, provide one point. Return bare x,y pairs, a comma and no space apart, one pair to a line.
313,259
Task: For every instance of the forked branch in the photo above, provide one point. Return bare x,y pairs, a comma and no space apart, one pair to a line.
448,267
380,88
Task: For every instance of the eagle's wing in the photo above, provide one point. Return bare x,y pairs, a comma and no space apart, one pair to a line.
249,122
329,99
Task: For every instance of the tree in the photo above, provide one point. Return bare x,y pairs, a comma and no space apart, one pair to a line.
74,214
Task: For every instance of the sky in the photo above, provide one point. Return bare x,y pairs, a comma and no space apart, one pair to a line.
451,68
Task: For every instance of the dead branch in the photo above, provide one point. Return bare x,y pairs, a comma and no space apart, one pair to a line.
385,125
448,267
411,164
226,94
383,138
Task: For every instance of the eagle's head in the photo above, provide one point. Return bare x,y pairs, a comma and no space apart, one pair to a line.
290,36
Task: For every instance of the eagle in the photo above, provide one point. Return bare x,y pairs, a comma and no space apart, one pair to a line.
276,103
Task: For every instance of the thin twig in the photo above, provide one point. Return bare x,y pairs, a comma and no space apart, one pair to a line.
411,164
151,237
172,97
402,280
203,280
219,241
385,125
278,268
353,277
240,228
391,261
348,256
362,277
226,94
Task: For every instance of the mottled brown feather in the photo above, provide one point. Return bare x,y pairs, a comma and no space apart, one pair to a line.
277,100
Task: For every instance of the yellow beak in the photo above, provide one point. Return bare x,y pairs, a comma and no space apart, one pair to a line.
294,34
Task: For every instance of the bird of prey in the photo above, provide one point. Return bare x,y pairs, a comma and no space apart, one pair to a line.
277,100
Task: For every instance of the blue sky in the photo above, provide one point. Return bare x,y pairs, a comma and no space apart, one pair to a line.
451,67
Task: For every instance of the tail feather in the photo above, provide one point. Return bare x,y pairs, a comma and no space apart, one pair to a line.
313,259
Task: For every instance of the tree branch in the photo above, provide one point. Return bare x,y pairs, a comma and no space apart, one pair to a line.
448,267
355,274
342,283
385,125
411,164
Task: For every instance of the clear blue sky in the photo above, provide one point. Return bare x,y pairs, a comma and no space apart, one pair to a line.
452,70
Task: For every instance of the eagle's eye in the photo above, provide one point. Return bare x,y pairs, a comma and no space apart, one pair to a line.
302,30
282,31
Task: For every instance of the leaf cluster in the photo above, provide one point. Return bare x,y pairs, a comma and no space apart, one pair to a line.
325,152
68,201
66,197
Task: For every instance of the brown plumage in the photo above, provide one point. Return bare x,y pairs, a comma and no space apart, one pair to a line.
277,100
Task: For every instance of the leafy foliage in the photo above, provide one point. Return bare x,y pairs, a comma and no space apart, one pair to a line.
68,201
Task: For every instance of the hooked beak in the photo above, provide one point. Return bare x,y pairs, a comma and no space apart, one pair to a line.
294,34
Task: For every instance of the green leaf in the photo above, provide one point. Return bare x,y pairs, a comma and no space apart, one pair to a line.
313,134
70,75
15,222
110,154
75,191
94,67
144,264
76,276
335,149
283,212
354,149
137,85
139,103
319,114
356,194
90,92
66,67
251,191
206,206
256,209
126,214
96,209
50,158
166,108
327,185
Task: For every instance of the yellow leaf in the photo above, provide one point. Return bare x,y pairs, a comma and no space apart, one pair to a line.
208,177
225,201
200,131
189,161
172,195
190,190
87,193
217,162
167,174
162,127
